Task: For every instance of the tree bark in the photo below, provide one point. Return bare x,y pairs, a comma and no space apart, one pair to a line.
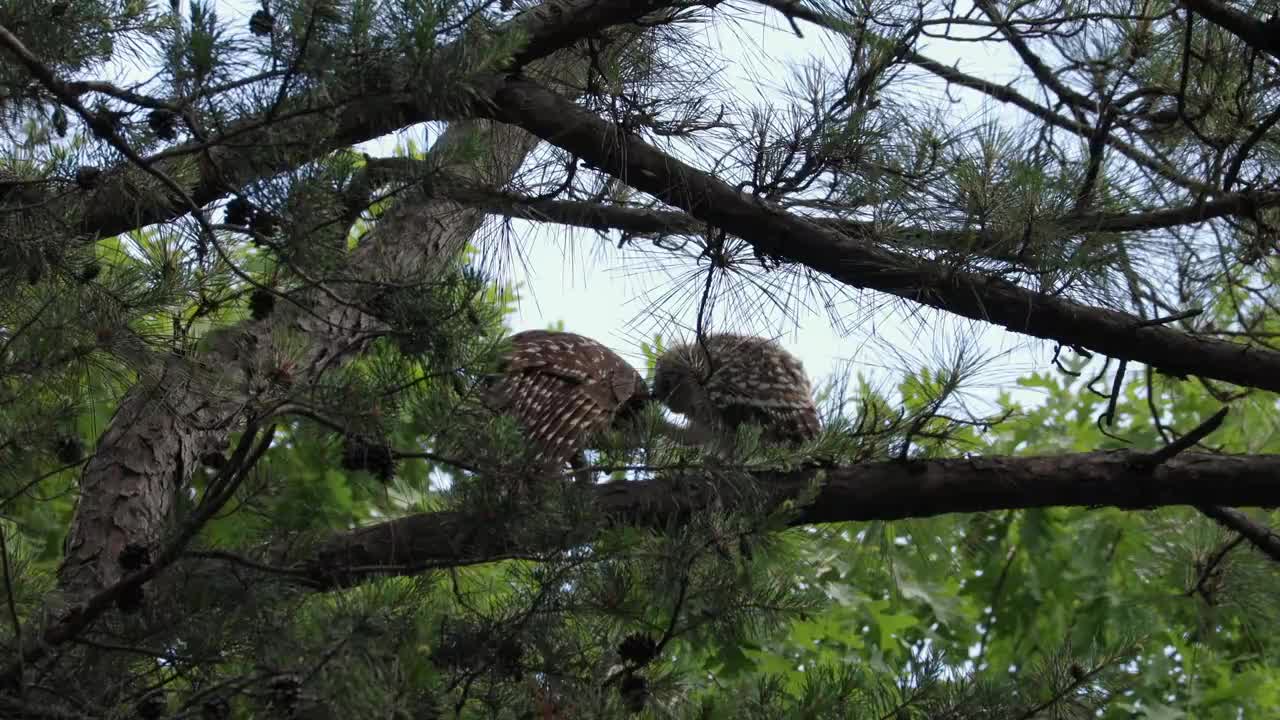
890,490
166,422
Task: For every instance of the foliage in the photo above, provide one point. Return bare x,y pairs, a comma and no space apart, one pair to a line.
230,334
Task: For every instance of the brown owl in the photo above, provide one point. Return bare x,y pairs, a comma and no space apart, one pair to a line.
726,381
562,388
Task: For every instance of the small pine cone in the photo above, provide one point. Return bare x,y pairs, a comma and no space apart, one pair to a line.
153,706
285,691
69,449
262,23
507,658
373,456
239,211
213,459
89,273
215,709
87,177
264,223
164,123
638,649
635,692
452,652
59,121
106,122
261,303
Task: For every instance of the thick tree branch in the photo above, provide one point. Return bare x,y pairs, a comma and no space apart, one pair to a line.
887,490
858,264
1255,33
600,216
1260,536
235,156
1043,73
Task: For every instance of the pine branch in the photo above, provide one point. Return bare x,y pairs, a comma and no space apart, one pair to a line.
600,216
1264,36
234,157
776,233
888,490
1260,536
1003,93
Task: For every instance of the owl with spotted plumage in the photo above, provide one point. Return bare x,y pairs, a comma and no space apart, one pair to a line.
725,381
562,389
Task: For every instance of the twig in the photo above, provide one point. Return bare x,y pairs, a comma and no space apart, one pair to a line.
1117,385
1155,412
1233,172
1185,442
995,601
1214,560
1258,535
235,559
1193,312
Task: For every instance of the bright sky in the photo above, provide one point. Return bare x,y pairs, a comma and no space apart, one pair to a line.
612,301
582,279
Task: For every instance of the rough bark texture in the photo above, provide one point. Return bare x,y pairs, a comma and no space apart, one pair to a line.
150,449
872,491
862,265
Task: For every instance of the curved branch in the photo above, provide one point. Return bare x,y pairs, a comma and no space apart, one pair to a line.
858,264
602,216
235,157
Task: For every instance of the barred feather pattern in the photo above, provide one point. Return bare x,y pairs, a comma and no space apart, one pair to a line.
728,380
562,388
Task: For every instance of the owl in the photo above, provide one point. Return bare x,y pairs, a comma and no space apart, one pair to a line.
562,388
726,381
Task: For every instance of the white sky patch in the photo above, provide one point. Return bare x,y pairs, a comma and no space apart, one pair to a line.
565,275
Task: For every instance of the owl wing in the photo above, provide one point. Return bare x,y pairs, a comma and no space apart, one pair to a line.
760,383
562,388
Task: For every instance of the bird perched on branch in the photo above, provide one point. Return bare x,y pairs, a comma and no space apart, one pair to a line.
562,388
724,381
